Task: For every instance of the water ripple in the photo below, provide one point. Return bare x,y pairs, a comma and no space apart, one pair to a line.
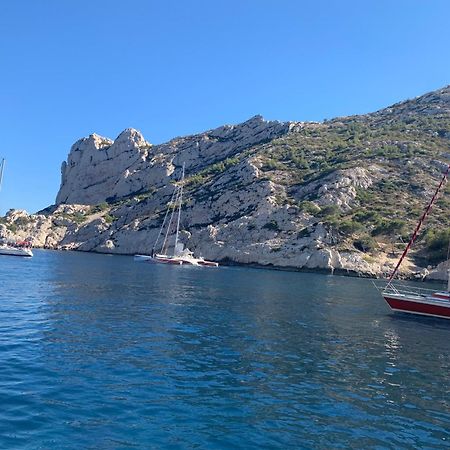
100,352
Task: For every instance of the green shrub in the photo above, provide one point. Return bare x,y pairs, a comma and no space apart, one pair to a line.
437,244
366,216
272,164
109,219
221,166
272,225
437,240
389,227
365,244
78,217
100,207
348,227
329,211
365,196
196,180
309,207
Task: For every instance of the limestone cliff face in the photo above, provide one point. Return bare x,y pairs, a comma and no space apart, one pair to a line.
99,169
338,195
96,164
236,219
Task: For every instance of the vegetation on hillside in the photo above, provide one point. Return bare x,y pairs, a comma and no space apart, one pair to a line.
409,145
404,149
411,150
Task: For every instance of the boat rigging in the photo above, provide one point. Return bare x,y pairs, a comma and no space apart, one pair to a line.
415,300
180,255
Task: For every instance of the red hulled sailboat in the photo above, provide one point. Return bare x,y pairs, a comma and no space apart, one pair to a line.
407,299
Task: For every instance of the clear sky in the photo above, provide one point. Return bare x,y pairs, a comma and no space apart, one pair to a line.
69,68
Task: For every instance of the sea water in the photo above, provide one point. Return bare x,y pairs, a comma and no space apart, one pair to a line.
101,352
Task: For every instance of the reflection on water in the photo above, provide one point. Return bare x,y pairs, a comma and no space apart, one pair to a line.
106,353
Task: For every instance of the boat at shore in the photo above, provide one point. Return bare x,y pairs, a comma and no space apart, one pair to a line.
408,299
13,248
16,249
177,260
180,256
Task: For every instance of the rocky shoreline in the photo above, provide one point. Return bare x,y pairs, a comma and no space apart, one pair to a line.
335,197
437,274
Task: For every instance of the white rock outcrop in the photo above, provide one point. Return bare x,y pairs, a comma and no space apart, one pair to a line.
338,188
114,194
440,273
96,164
98,168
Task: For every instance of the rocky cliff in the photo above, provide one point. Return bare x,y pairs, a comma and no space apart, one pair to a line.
99,169
339,195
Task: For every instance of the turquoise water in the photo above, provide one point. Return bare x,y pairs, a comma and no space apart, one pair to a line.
101,352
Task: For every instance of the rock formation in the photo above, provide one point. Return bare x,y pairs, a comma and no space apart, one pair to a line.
99,169
337,195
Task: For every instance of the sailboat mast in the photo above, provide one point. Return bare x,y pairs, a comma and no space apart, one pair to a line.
163,224
169,226
2,166
422,219
448,280
179,208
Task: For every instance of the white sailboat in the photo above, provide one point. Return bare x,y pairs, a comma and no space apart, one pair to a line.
13,248
180,255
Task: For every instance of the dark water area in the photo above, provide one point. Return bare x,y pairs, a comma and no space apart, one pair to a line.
101,352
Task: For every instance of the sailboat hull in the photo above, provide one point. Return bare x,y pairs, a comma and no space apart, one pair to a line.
166,260
16,251
175,260
436,305
205,263
158,259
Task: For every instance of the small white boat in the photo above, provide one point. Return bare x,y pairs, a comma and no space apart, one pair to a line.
180,256
142,258
10,250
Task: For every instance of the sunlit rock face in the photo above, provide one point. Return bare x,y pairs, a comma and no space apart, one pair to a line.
96,164
99,169
337,196
239,215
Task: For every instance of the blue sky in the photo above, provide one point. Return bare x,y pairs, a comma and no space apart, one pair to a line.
170,68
